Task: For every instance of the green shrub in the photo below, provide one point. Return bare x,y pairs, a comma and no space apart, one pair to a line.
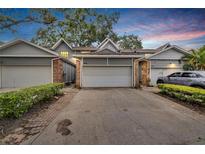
15,103
184,93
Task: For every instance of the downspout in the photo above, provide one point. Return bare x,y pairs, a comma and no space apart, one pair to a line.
132,72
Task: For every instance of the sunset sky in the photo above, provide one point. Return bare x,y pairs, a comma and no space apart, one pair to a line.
183,27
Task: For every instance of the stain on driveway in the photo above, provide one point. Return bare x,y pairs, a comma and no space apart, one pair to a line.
124,116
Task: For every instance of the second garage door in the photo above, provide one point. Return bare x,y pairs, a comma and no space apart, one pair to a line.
155,73
24,76
107,77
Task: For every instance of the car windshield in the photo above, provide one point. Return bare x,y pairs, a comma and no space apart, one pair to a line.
177,74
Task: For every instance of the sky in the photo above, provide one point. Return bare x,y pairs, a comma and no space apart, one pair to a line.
155,27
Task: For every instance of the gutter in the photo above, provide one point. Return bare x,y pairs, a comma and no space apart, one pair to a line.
106,56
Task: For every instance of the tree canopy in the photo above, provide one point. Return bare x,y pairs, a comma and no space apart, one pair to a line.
130,42
79,27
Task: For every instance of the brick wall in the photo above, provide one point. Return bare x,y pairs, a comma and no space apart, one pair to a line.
145,72
77,74
57,70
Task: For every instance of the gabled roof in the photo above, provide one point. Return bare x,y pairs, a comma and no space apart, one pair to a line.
59,42
167,45
105,41
171,47
9,44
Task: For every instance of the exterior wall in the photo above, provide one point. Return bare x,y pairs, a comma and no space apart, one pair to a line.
58,70
22,49
157,63
78,74
169,54
26,61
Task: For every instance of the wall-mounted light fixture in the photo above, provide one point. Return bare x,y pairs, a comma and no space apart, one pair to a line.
172,65
74,60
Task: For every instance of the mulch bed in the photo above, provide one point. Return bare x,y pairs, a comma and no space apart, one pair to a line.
193,106
14,131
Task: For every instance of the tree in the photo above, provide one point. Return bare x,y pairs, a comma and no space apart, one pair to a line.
196,60
9,21
79,27
130,42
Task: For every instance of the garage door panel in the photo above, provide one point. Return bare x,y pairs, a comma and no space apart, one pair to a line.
106,77
24,76
155,73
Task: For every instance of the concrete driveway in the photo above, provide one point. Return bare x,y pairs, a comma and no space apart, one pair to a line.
124,116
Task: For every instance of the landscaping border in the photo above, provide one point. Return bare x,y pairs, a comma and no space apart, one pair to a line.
15,103
184,93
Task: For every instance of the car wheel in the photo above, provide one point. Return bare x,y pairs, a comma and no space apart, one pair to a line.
160,81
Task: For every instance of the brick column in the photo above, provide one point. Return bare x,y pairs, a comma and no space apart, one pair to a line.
57,70
77,81
145,72
136,74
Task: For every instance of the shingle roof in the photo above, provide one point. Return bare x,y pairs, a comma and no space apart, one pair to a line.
84,49
111,53
139,51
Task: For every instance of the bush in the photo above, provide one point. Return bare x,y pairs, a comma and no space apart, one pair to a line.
184,93
15,103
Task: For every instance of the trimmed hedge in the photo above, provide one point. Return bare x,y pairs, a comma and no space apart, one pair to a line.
184,93
15,103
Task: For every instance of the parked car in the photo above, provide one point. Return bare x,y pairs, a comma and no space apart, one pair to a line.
188,78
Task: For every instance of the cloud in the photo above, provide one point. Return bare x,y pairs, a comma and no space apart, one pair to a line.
174,36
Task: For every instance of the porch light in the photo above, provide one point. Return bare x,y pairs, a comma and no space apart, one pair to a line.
73,60
172,65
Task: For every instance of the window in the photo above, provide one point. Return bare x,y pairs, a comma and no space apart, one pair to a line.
175,74
64,54
189,75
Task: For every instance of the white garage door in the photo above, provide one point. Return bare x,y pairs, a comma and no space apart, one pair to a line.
24,76
155,73
107,77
